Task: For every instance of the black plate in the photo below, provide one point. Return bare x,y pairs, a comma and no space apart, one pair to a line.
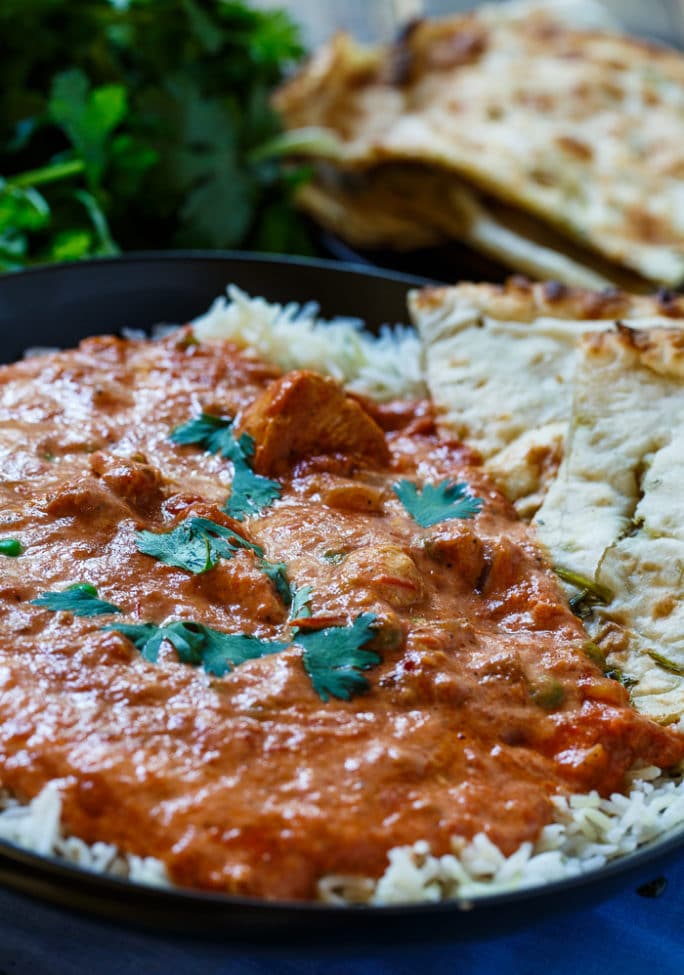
58,306
445,263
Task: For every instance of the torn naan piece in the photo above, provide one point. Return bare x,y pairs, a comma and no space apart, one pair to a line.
405,207
535,109
615,514
500,363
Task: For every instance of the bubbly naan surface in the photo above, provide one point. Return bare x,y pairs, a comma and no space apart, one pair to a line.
575,400
615,514
573,123
500,362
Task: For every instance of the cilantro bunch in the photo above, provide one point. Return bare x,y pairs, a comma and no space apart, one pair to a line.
139,124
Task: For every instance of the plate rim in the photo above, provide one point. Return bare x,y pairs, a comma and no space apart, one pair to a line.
652,852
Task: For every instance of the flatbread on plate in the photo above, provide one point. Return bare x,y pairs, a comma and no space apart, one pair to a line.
615,513
500,362
574,125
575,400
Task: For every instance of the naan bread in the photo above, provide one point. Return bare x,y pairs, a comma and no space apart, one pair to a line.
580,127
500,363
538,375
404,207
615,514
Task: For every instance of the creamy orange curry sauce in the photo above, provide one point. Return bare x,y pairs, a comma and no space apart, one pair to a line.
483,705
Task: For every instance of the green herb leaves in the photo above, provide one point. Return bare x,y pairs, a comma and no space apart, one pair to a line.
334,658
437,502
89,117
196,545
213,433
299,608
589,593
197,644
250,492
157,112
80,599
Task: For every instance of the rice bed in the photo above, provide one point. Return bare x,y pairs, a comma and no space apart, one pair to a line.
588,830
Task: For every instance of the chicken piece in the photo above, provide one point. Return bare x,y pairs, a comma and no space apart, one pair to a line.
88,500
137,483
458,547
304,414
386,572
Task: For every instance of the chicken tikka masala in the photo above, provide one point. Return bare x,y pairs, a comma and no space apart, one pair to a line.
266,631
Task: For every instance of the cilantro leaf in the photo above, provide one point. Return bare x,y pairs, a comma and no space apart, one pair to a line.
196,545
197,644
148,638
301,598
250,493
156,107
333,658
212,433
235,539
223,651
88,116
277,573
81,600
437,502
183,547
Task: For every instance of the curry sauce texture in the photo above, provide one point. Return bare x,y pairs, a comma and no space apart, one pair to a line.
307,629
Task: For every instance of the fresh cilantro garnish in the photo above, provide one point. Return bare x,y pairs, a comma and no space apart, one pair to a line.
197,644
143,124
301,597
196,545
277,573
437,502
333,658
223,651
212,433
80,599
250,492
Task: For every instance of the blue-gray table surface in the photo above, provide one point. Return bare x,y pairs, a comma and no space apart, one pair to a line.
629,935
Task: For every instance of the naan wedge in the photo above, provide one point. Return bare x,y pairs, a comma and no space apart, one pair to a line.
404,208
578,127
500,363
615,514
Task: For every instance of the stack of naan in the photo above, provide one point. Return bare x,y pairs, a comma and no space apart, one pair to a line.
539,135
575,400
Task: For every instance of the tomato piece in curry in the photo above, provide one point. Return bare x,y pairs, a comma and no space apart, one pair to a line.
481,704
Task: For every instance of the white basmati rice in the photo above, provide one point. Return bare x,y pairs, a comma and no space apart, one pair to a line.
37,826
588,832
294,337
